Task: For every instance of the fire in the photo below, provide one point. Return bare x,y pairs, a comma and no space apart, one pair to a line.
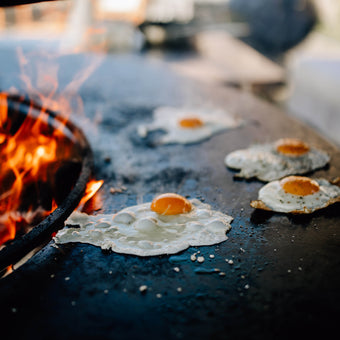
3,115
31,150
91,189
28,151
31,153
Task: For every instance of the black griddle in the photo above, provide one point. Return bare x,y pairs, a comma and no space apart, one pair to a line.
285,274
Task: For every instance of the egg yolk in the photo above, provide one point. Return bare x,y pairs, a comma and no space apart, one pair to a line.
292,147
301,186
170,204
190,123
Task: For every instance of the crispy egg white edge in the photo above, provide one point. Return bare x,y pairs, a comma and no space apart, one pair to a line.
88,223
276,199
265,163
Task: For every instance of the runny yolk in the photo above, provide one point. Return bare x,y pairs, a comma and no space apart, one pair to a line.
291,147
301,186
170,204
190,123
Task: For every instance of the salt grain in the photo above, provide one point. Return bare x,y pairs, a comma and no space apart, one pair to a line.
67,278
179,289
158,295
211,256
221,274
143,288
116,190
193,258
200,259
231,262
176,269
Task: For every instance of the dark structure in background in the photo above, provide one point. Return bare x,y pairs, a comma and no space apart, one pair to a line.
8,3
275,25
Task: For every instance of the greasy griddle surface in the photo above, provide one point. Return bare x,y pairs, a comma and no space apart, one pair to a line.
285,274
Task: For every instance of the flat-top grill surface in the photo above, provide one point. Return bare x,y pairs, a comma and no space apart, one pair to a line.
285,274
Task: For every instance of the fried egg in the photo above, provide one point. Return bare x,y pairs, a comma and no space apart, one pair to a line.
272,161
186,126
167,225
297,195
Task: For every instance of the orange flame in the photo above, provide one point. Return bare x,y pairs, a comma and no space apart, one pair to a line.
91,189
30,155
25,157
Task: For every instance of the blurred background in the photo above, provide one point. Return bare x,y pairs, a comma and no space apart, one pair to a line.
285,51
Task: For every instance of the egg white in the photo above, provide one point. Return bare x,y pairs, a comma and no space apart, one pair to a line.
139,231
167,118
265,163
276,199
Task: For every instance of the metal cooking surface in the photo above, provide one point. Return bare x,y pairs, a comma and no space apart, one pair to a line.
285,274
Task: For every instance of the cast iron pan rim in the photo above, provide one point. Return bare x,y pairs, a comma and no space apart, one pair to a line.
41,233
